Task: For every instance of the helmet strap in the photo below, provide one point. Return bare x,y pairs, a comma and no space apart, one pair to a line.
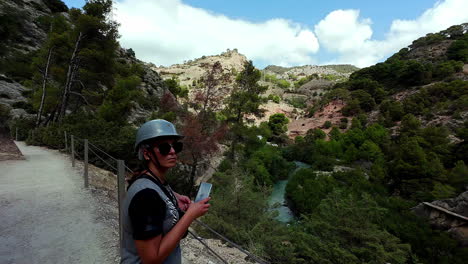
154,159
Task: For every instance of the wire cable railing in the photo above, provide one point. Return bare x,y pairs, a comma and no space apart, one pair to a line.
107,163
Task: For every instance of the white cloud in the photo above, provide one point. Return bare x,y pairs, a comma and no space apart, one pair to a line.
169,31
342,32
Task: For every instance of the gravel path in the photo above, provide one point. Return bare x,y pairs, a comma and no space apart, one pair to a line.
46,216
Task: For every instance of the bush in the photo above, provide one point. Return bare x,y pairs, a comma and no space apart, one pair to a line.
274,98
280,82
4,115
298,102
327,124
23,125
458,50
446,69
305,80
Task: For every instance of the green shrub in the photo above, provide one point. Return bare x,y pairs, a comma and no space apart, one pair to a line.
24,127
298,102
447,68
280,82
458,50
327,124
305,80
4,115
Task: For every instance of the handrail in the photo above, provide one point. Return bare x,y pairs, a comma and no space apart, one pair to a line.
446,211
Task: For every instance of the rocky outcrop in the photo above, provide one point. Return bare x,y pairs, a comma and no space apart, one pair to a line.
11,97
306,70
27,13
330,112
192,71
450,215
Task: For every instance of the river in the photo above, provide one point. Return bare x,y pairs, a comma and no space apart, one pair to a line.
277,201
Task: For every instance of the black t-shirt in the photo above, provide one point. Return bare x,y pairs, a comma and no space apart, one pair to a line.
147,211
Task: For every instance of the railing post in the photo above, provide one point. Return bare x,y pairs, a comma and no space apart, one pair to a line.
66,140
16,133
73,150
85,171
121,195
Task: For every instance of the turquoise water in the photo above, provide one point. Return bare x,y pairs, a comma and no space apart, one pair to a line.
277,202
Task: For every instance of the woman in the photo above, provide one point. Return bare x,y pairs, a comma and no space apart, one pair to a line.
153,221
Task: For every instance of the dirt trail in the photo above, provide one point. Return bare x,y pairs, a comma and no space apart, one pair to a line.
46,216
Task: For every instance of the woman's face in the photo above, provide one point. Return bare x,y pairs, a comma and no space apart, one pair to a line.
169,160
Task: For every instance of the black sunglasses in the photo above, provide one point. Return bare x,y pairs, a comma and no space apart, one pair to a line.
165,148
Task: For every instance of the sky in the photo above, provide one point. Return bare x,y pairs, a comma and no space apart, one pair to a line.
279,32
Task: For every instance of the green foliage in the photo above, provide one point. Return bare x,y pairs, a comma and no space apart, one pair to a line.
278,124
327,124
4,114
447,68
246,99
17,66
443,191
280,82
114,138
118,101
457,177
24,127
267,166
343,229
298,102
365,100
175,88
274,98
235,206
305,80
11,25
458,50
306,190
314,134
331,77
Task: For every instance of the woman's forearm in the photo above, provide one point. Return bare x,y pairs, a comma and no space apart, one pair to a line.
171,239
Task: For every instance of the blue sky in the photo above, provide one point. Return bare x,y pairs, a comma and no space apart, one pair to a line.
359,32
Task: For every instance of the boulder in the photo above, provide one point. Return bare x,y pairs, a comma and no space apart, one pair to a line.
11,91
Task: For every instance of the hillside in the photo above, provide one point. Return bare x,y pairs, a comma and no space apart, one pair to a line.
290,90
376,142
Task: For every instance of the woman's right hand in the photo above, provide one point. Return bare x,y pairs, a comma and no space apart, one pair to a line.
198,209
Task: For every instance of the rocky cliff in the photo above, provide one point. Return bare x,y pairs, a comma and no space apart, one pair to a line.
25,32
191,72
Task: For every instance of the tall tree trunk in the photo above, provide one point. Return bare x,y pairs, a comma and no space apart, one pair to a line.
72,67
44,83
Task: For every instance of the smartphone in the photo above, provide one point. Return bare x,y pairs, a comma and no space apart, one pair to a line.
204,191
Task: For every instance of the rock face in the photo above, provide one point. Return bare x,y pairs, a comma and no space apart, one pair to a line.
151,85
302,71
457,227
11,97
190,72
28,11
331,112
